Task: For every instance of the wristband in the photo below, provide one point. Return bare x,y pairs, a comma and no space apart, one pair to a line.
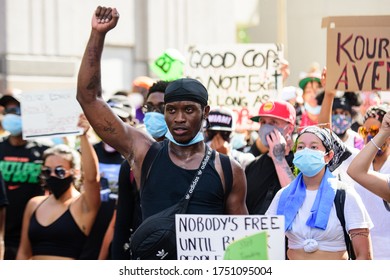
372,140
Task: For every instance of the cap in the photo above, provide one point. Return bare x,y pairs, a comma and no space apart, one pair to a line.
186,89
120,105
277,109
310,77
220,119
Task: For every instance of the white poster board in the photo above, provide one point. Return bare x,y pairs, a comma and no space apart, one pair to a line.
50,114
205,237
240,77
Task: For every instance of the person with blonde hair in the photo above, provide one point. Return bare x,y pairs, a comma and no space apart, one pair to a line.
58,225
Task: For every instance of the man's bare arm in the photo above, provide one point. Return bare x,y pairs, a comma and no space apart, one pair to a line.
110,128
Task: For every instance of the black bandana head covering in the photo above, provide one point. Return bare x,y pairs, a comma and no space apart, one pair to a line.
186,89
376,112
331,142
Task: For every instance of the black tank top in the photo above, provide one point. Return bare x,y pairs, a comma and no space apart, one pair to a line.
62,238
167,183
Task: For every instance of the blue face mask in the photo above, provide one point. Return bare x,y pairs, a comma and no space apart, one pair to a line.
13,124
309,162
312,110
198,137
155,124
265,130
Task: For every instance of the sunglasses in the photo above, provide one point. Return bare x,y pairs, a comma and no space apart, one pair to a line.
373,130
59,171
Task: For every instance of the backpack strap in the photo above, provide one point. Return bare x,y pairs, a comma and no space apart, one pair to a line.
227,174
339,202
148,161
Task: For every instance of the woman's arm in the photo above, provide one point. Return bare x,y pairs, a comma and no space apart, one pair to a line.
359,167
361,242
24,250
90,169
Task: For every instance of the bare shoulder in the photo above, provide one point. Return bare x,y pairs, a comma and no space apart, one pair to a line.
237,169
34,202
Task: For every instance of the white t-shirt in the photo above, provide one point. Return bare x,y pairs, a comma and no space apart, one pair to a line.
332,238
380,234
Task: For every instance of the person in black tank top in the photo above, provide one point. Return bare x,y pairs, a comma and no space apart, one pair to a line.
186,109
57,226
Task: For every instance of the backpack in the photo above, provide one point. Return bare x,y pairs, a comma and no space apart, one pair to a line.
339,202
155,238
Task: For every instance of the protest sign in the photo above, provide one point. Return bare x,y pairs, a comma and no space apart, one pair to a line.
241,76
358,53
252,247
169,66
206,237
50,113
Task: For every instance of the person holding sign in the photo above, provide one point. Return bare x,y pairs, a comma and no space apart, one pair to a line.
179,157
57,226
308,203
20,166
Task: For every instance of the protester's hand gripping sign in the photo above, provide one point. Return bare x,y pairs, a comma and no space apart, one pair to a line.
50,114
240,77
358,53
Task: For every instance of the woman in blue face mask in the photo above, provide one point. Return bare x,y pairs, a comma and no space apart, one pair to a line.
311,222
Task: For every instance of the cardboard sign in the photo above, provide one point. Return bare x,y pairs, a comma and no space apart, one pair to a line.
50,113
207,237
240,77
358,53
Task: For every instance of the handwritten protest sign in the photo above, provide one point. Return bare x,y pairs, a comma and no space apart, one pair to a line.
169,66
50,113
358,53
241,76
252,247
206,237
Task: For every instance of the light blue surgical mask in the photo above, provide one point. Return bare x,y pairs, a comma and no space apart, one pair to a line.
309,162
155,124
198,137
265,130
312,110
13,124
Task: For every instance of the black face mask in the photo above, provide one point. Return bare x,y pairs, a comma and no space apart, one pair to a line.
58,186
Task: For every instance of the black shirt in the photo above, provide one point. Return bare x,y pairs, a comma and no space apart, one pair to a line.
262,183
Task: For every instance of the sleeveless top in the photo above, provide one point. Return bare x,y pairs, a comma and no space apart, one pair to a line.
61,238
167,183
